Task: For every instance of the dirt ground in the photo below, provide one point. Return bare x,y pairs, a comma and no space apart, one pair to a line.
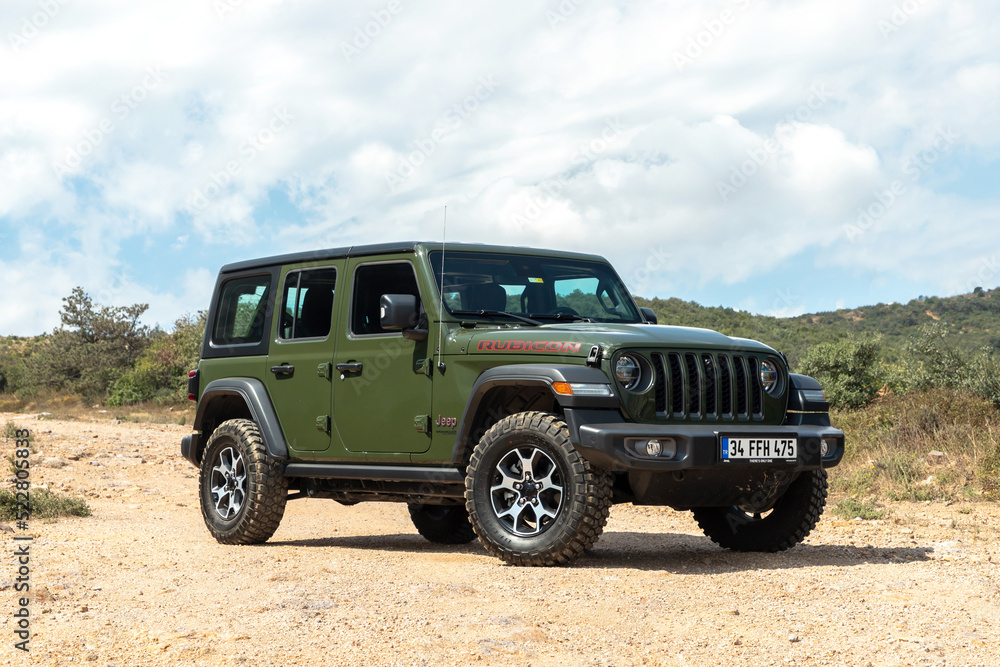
141,582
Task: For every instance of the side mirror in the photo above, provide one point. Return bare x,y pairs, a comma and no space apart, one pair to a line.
648,315
398,311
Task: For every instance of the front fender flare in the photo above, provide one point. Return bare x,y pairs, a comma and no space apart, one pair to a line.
527,375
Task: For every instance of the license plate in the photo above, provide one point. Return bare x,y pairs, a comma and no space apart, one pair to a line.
761,450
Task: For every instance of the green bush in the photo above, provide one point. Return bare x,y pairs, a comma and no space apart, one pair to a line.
850,508
851,370
44,505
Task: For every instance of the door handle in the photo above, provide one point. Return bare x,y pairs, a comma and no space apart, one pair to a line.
350,367
284,369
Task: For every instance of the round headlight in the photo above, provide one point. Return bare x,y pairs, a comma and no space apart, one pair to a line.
627,371
769,376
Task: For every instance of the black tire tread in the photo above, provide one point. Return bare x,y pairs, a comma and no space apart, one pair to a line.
453,528
592,487
267,488
795,515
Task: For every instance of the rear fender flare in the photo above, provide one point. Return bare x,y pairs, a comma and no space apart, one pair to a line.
258,403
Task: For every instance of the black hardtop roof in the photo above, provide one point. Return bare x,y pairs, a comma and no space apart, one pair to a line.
392,248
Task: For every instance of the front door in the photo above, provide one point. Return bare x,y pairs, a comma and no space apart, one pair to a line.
382,396
300,360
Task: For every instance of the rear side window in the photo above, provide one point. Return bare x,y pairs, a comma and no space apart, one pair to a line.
308,304
242,311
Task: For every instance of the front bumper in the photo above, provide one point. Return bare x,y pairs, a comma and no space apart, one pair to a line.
601,437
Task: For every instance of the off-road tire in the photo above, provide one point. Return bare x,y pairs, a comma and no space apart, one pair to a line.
264,488
442,524
791,519
580,509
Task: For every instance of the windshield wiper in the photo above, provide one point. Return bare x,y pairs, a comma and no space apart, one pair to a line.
497,313
562,316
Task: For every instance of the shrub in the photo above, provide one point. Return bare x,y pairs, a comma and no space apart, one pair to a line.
44,505
850,370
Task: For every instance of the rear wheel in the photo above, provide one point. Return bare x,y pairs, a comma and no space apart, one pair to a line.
443,524
243,492
783,525
532,498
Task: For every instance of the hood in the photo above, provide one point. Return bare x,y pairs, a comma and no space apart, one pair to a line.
577,339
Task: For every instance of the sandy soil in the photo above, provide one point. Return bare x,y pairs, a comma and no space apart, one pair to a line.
142,583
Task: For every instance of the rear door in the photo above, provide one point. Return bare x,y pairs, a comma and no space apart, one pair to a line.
382,395
300,359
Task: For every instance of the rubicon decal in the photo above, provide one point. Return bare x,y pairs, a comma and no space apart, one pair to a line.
527,346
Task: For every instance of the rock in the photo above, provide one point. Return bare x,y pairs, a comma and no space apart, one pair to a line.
935,457
96,463
5,528
54,462
794,638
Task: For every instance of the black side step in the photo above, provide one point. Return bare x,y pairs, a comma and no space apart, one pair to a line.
375,473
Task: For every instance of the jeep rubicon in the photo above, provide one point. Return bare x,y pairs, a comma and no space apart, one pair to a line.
508,394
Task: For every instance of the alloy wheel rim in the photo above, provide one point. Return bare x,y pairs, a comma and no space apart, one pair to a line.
228,484
526,491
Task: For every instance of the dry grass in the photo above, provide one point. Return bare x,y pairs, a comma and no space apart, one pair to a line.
71,408
889,442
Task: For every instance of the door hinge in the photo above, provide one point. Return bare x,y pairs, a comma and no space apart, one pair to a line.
423,366
422,423
323,423
325,370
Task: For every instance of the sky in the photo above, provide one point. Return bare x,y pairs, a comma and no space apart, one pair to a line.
778,157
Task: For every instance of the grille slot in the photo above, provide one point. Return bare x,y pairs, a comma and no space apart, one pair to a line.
694,385
755,388
726,387
710,392
676,384
660,374
742,409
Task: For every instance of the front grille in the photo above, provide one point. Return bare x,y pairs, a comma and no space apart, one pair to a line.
697,386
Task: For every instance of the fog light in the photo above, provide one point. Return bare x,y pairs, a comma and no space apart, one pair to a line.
653,448
824,448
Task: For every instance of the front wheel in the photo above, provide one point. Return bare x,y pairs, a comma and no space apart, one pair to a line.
790,519
532,499
242,490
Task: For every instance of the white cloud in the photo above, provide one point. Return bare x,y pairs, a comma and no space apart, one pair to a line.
533,161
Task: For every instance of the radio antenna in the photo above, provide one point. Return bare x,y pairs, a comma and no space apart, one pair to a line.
444,236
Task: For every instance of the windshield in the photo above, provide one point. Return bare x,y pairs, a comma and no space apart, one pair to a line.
542,288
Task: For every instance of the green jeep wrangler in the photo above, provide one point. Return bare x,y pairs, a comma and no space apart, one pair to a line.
506,393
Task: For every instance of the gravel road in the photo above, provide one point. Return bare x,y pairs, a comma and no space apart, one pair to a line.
142,582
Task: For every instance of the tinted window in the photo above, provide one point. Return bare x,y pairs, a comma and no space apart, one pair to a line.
242,311
307,304
371,281
538,287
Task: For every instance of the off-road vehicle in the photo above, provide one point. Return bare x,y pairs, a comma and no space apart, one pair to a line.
506,393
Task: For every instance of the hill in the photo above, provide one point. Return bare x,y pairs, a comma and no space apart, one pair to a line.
974,318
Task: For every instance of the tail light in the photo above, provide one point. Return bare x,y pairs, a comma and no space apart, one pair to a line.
193,385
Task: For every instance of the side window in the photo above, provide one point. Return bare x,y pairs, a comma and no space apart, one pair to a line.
242,311
371,281
307,304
